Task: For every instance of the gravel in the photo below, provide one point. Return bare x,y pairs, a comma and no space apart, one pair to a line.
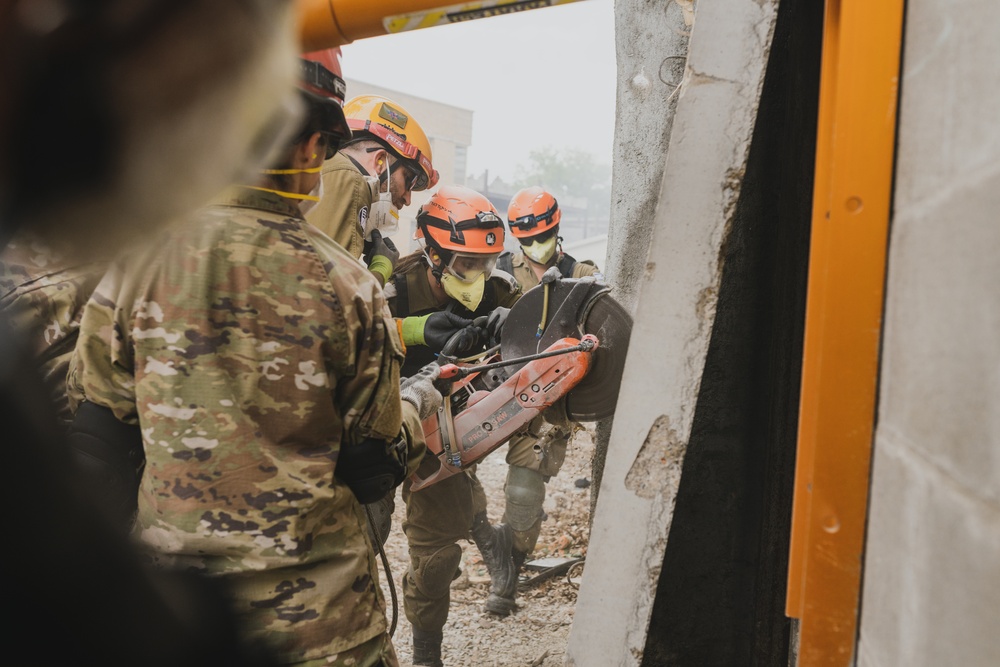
536,634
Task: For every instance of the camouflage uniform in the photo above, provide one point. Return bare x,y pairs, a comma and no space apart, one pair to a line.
343,211
541,450
440,515
250,349
42,295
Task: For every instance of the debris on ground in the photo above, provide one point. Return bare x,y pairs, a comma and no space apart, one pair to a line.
536,634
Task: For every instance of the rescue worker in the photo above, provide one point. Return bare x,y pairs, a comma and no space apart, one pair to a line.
370,180
462,235
143,96
260,366
42,294
537,454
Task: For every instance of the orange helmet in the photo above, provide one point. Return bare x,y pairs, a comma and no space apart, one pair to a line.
532,211
322,84
457,219
381,119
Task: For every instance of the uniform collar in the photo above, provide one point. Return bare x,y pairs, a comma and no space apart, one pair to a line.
247,197
418,287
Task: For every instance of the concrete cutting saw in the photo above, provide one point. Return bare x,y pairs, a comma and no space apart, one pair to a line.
563,342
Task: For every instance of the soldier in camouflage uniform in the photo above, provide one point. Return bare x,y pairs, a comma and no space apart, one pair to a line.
42,294
463,235
254,353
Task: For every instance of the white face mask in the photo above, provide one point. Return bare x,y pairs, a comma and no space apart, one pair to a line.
307,205
383,215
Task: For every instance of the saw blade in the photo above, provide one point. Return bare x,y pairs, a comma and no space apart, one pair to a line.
597,394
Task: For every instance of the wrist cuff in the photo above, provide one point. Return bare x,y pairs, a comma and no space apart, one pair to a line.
382,266
412,330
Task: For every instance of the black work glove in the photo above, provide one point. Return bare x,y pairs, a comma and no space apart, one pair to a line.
494,324
464,342
432,330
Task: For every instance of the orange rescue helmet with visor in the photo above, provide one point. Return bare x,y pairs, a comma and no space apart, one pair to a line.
465,230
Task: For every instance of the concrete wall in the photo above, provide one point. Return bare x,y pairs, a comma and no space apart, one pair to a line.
681,233
931,590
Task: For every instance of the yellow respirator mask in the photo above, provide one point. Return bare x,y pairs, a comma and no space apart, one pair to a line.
469,293
541,251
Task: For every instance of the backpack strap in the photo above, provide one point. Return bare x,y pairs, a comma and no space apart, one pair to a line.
566,264
505,262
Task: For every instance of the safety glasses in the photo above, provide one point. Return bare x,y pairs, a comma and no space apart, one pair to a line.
540,238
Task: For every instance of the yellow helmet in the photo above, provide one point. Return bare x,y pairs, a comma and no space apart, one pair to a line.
380,119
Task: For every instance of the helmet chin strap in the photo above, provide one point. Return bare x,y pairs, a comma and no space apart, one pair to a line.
436,271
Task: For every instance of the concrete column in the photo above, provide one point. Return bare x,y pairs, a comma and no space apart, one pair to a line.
677,291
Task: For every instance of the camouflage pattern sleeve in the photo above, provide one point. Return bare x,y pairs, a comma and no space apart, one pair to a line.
42,295
102,368
372,407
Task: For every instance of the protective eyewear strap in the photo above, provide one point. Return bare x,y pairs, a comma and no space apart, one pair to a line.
403,148
531,221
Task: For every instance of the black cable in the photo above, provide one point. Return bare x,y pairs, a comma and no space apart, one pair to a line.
388,571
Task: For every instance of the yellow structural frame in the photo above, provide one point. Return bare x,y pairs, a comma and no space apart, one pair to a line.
327,23
847,260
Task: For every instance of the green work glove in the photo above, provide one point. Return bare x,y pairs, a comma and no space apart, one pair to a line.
433,330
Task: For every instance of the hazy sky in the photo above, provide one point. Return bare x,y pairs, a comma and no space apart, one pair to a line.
544,77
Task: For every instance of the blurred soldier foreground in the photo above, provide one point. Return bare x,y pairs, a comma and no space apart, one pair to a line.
259,365
114,118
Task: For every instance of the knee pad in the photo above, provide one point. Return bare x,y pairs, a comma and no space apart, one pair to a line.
525,492
432,570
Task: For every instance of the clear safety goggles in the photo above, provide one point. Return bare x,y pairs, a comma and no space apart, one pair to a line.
468,267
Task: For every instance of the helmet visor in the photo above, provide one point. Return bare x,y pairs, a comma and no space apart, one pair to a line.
467,266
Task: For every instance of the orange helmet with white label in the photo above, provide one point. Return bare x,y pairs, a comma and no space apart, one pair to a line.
464,229
321,82
531,212
382,120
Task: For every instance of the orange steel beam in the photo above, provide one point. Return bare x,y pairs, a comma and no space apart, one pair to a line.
850,222
328,23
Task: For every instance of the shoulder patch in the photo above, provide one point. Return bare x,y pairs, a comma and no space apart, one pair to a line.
363,218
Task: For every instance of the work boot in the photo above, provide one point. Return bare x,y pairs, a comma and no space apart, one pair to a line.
495,544
427,648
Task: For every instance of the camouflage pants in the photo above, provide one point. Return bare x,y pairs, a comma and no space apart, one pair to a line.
376,652
534,457
437,517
